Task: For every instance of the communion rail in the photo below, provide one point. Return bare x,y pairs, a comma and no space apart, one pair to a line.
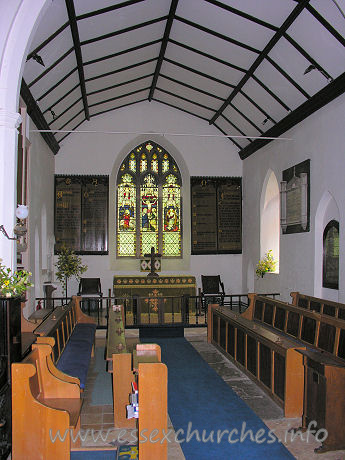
186,311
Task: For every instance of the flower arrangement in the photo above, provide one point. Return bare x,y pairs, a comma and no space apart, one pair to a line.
13,284
267,264
68,265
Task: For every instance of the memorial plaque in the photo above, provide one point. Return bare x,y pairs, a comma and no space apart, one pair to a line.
81,213
295,198
216,204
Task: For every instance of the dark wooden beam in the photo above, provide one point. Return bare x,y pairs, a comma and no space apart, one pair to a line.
122,69
65,111
48,40
117,85
164,44
118,107
226,134
108,9
235,127
71,72
288,77
179,108
37,117
185,99
48,69
243,15
246,118
316,102
77,50
123,31
61,98
120,53
217,34
274,40
115,98
194,88
266,114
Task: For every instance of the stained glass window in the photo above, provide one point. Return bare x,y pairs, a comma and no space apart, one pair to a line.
149,203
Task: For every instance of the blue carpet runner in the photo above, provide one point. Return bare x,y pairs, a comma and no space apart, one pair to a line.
94,455
213,421
102,392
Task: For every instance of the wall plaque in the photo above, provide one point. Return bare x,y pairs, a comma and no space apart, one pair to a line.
81,213
294,190
216,209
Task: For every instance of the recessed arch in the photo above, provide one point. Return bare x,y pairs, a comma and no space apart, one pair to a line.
270,217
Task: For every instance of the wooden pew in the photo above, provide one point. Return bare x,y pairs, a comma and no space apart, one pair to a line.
266,355
144,367
42,404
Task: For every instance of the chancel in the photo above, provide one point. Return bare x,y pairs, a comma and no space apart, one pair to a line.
163,144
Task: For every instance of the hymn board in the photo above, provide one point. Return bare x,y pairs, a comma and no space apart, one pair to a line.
216,215
81,213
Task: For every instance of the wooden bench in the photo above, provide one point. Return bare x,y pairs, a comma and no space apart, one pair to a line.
144,367
71,335
42,405
317,342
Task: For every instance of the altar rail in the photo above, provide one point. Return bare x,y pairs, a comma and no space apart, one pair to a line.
186,311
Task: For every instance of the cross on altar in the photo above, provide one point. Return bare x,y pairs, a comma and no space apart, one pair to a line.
153,256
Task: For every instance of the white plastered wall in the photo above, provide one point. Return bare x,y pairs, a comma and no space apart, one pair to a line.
205,156
320,138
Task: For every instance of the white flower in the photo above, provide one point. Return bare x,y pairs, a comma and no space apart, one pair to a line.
8,294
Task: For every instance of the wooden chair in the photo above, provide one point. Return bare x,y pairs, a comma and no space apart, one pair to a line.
212,291
91,291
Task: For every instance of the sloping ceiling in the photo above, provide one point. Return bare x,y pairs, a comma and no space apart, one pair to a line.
252,68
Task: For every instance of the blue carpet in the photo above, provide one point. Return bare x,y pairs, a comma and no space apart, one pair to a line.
102,392
198,399
93,455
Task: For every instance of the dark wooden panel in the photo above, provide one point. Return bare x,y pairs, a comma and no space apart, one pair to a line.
222,333
81,213
292,324
268,314
316,397
231,340
265,365
341,313
302,302
341,348
279,376
258,310
216,204
240,346
279,320
215,327
251,355
308,330
315,306
326,337
328,310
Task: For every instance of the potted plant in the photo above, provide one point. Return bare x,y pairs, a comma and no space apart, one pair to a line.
265,265
68,265
13,284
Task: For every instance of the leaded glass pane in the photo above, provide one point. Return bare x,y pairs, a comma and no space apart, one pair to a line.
154,163
126,217
171,217
149,214
143,163
165,164
132,163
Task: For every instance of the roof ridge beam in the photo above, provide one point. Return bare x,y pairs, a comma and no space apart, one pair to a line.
77,50
164,44
107,9
274,40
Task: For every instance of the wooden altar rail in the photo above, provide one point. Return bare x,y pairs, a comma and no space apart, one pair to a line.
186,310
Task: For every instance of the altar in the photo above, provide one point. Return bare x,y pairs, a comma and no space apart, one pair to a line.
154,300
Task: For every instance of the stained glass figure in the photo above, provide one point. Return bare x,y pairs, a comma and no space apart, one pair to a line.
132,162
171,217
154,163
143,163
149,214
126,198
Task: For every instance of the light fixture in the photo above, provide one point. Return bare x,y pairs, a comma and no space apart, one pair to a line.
19,230
309,69
36,57
53,114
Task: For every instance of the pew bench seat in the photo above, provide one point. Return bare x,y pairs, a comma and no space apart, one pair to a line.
75,359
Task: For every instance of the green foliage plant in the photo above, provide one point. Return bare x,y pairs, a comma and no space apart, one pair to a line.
68,265
13,284
266,265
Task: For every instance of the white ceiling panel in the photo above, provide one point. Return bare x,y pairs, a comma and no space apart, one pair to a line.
333,12
226,23
124,89
238,119
252,112
188,93
121,18
122,42
119,62
58,92
119,77
64,119
88,6
71,126
203,64
183,105
112,105
210,44
319,43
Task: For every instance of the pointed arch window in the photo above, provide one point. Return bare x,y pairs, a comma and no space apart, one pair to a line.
331,255
149,203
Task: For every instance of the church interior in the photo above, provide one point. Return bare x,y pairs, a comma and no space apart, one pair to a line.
170,175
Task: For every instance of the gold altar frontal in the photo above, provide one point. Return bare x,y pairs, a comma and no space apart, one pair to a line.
153,300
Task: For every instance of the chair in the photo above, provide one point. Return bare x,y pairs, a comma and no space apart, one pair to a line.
212,290
90,288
